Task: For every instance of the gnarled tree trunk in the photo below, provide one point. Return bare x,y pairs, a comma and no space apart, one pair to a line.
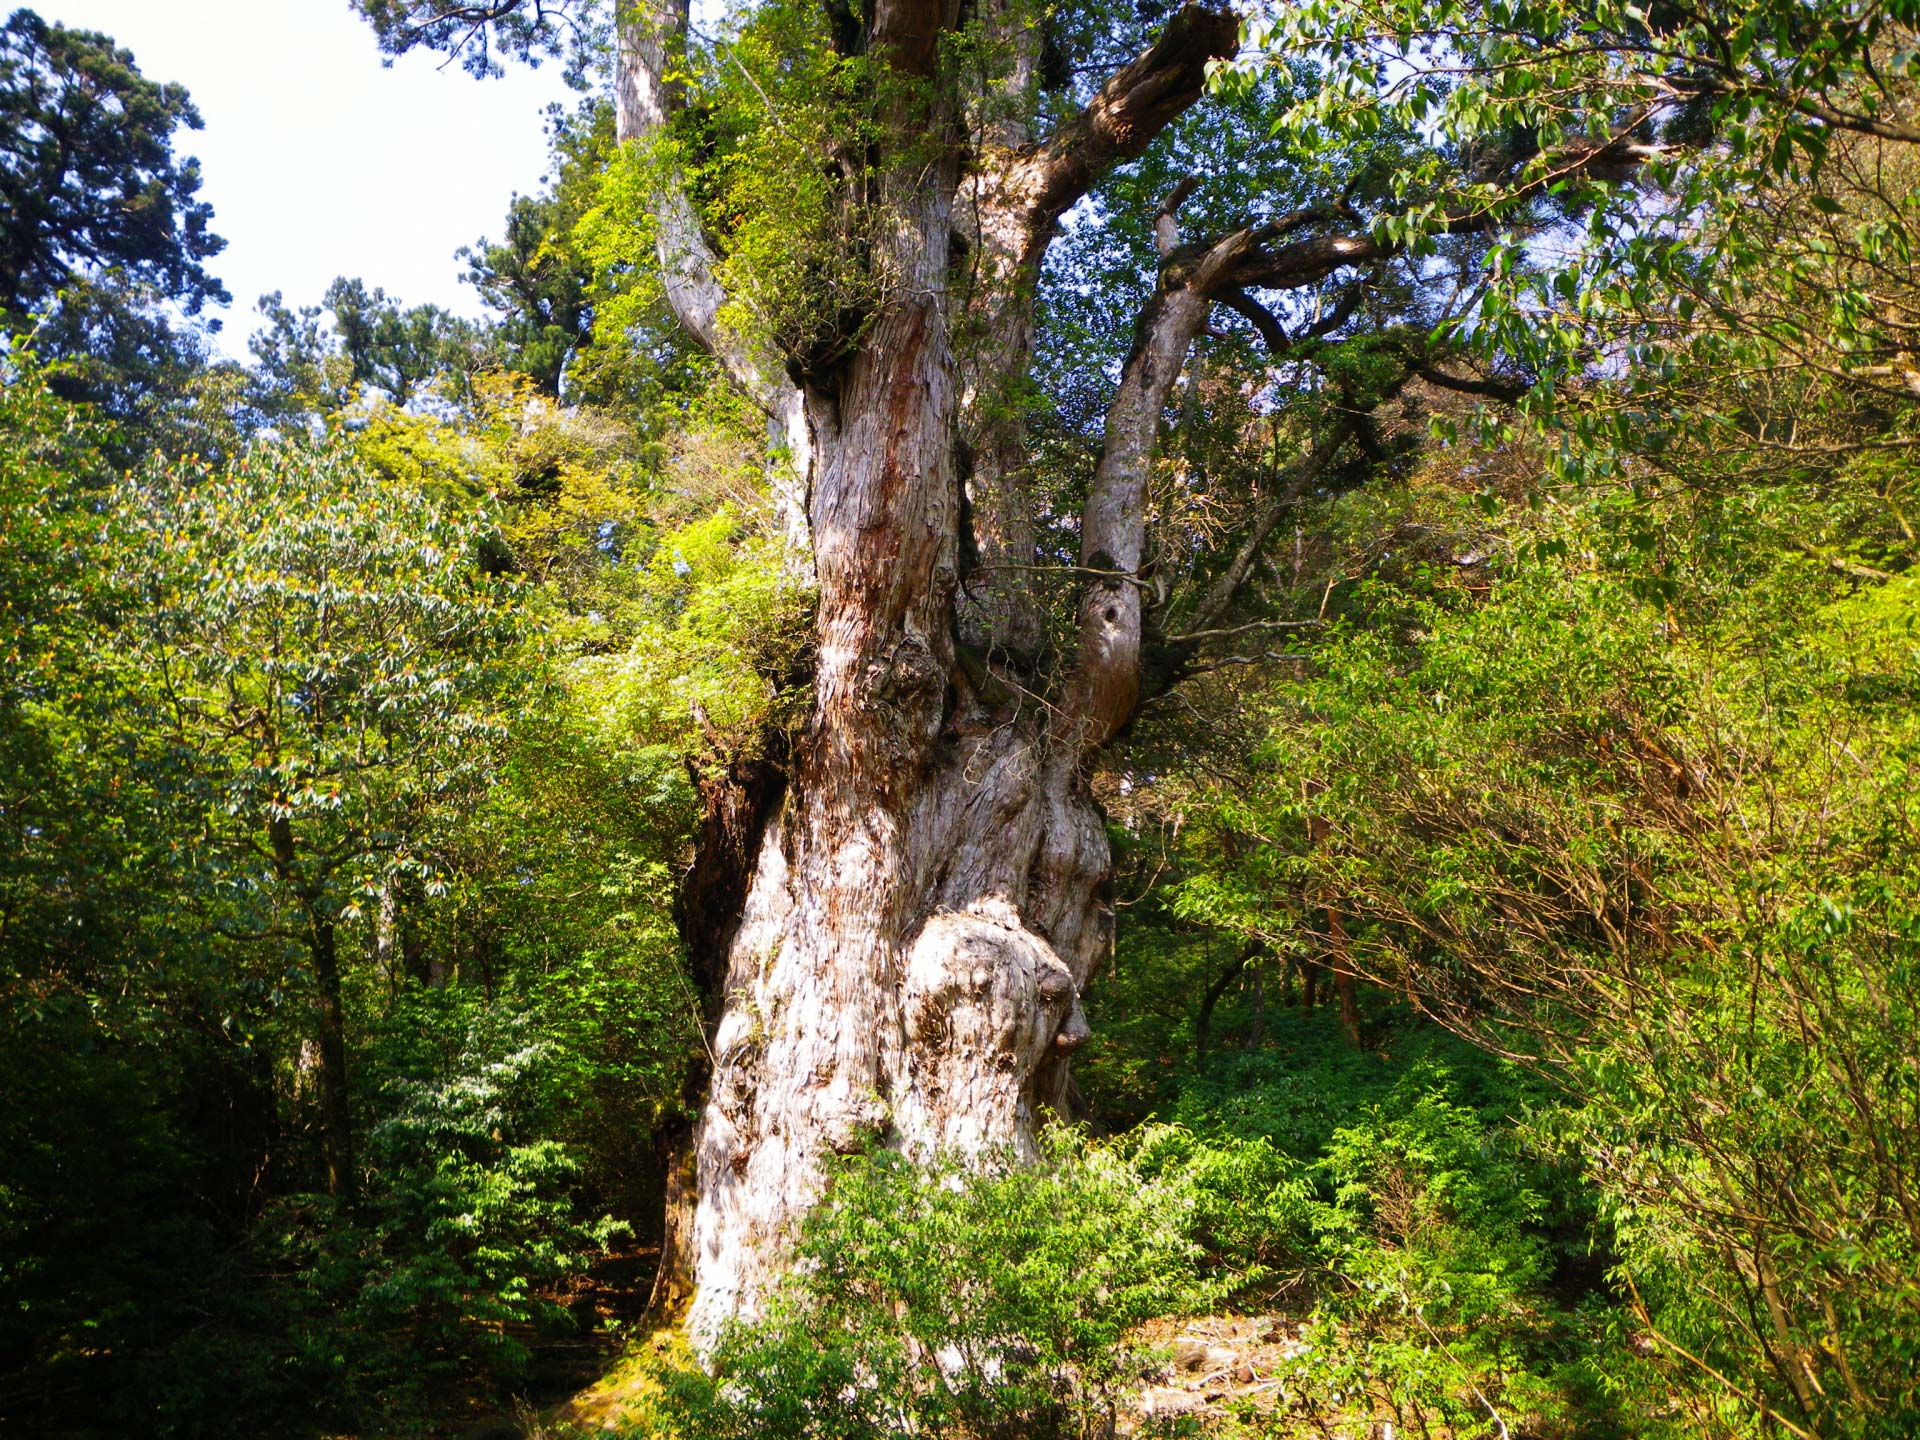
927,899
896,937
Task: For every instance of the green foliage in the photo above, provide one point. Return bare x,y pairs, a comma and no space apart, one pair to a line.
473,1220
104,244
529,30
345,781
1574,811
1426,1247
88,178
333,663
538,277
1438,1294
299,647
801,261
372,343
929,1302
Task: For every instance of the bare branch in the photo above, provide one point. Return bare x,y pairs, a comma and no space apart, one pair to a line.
1229,632
1490,389
1166,220
1227,587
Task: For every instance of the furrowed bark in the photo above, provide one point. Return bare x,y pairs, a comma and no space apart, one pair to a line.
930,898
906,924
810,1053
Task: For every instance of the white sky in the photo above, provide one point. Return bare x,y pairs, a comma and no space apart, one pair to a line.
320,162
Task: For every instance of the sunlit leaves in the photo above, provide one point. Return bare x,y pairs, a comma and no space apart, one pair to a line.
327,652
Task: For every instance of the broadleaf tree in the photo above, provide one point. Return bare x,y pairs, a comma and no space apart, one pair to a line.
333,671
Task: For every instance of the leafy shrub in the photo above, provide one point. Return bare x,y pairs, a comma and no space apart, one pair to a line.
940,1304
443,1272
1251,1204
475,1210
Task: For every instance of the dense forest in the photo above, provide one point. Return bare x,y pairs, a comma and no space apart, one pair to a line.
1080,718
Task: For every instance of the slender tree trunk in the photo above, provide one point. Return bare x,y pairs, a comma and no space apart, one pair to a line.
1339,958
384,949
1211,996
330,1016
336,1125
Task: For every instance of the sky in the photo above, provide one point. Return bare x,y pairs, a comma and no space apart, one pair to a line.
318,160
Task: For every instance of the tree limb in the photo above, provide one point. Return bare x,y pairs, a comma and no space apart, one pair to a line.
1007,206
644,102
1040,184
1229,632
1226,588
1105,684
1490,389
1265,323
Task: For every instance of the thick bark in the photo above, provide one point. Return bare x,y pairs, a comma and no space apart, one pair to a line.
932,898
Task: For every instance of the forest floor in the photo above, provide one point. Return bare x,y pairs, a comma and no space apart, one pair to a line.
607,1301
1218,1368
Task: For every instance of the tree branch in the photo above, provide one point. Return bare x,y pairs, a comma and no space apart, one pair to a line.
1226,589
1105,684
644,101
1039,185
1104,687
1278,342
1233,632
1490,389
1265,323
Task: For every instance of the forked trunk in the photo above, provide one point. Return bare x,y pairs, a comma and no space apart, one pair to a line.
925,905
898,955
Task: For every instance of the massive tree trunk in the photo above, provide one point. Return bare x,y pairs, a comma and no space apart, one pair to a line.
895,936
920,911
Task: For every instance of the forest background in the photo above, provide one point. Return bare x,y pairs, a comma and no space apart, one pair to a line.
1512,991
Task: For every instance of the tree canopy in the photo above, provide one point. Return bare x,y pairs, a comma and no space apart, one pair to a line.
89,181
